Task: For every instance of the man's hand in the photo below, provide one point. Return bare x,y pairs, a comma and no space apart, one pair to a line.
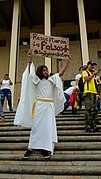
69,58
65,66
30,55
96,72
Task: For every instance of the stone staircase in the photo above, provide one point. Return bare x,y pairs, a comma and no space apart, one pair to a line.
77,154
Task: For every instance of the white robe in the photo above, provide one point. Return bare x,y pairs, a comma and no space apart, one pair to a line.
43,133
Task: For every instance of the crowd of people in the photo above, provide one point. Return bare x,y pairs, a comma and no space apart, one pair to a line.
42,98
90,95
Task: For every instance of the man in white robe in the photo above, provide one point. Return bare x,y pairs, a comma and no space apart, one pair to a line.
41,99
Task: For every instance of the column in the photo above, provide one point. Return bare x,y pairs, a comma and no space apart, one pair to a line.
48,28
83,32
14,49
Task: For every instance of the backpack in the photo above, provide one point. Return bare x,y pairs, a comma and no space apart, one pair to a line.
81,83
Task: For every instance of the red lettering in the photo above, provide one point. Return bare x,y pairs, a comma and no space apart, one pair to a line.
53,48
47,47
58,48
65,48
43,43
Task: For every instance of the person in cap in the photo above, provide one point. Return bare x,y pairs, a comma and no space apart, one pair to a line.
90,93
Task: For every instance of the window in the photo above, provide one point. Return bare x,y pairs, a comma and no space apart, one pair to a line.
75,37
99,54
25,41
93,35
99,60
72,37
2,43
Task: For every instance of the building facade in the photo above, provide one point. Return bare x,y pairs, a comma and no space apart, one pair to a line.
78,20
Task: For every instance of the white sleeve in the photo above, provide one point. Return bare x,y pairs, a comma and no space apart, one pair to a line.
77,78
23,115
35,79
59,97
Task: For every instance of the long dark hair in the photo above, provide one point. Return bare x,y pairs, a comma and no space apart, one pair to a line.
39,71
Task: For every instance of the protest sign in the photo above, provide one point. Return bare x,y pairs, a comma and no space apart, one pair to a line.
49,46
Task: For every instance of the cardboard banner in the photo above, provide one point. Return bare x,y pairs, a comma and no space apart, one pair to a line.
49,46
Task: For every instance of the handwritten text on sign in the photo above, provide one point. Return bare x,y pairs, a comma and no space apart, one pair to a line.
49,46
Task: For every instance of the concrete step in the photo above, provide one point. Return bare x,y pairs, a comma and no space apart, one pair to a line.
59,117
14,128
77,153
55,157
39,160
61,139
73,116
59,128
59,152
9,114
32,176
50,170
59,120
58,147
60,124
70,116
60,133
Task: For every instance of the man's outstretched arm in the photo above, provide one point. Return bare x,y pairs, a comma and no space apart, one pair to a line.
65,66
30,56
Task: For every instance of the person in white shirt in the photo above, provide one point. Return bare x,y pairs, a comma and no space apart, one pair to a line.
67,94
77,78
43,96
5,91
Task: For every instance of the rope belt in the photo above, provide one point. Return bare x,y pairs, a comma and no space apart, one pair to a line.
41,100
